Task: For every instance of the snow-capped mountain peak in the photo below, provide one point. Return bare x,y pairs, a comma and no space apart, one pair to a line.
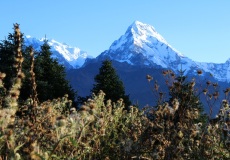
141,44
138,32
143,31
70,57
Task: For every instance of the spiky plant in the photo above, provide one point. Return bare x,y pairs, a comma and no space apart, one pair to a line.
10,105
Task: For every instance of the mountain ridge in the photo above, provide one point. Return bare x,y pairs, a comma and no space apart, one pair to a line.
141,51
70,57
141,45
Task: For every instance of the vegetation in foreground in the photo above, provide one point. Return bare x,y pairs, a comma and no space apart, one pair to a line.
53,129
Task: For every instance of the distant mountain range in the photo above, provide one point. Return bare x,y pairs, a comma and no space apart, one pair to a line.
70,57
140,45
140,51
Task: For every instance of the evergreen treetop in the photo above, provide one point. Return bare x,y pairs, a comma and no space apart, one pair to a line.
109,82
50,75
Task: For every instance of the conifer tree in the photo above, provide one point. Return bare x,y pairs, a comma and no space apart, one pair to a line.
26,87
50,76
109,82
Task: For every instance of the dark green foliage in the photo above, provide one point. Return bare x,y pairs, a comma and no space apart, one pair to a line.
108,81
26,87
50,76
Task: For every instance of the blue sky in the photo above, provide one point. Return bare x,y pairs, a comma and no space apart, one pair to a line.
199,29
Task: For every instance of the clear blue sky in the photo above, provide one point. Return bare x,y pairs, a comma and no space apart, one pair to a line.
199,29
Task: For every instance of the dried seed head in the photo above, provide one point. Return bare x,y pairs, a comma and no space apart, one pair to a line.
21,75
208,83
120,100
14,93
92,105
197,142
196,114
175,104
156,86
180,134
199,72
172,74
10,111
224,101
72,110
2,75
210,96
205,91
226,91
215,84
102,131
149,78
17,156
215,95
165,72
192,84
84,108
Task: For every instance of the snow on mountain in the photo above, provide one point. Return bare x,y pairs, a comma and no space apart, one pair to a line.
142,45
70,57
221,71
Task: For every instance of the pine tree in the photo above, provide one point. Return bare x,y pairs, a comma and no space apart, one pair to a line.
26,87
109,82
50,76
